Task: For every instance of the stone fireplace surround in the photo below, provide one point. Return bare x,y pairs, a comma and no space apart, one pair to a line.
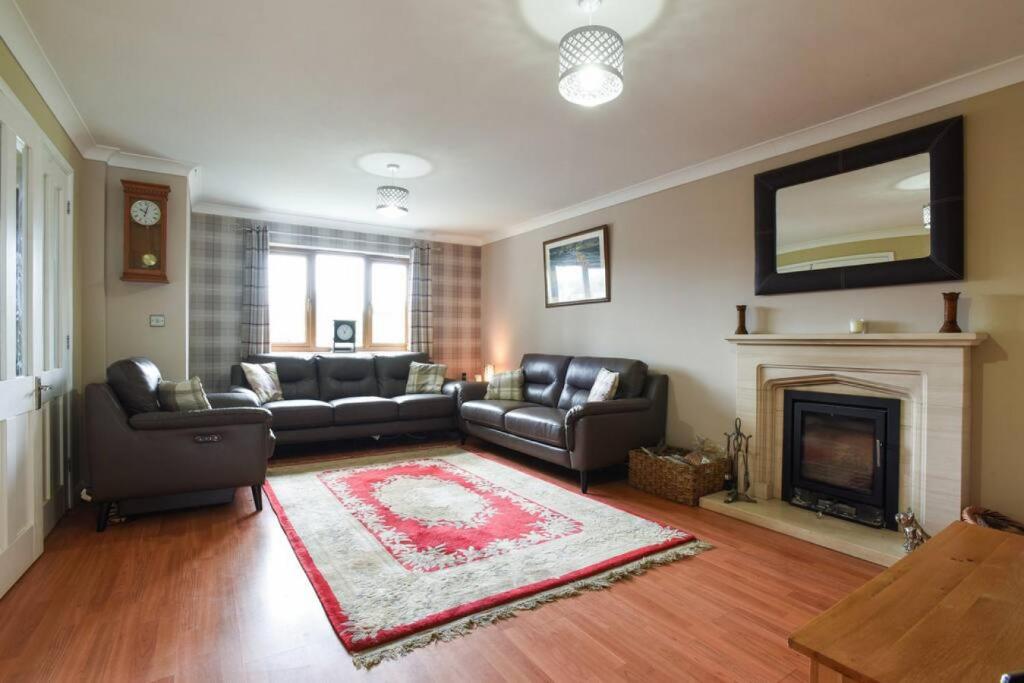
928,373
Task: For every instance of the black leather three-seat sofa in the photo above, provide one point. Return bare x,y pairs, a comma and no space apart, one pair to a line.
339,396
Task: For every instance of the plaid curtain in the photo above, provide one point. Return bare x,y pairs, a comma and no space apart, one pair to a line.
421,322
255,300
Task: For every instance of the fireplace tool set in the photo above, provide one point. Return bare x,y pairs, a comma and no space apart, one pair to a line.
737,446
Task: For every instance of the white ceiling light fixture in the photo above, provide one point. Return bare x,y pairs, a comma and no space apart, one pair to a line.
392,200
918,181
590,62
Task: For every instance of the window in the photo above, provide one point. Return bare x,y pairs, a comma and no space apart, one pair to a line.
309,290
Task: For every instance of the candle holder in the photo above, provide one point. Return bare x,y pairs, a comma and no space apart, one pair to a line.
741,322
950,300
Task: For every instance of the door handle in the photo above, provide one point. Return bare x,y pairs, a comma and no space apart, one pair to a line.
45,387
878,453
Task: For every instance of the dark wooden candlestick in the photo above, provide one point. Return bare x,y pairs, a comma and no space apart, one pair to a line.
950,301
741,325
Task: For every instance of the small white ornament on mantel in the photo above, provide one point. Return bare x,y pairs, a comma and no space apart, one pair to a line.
858,326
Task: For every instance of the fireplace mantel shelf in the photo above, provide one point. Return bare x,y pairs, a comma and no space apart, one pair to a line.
871,339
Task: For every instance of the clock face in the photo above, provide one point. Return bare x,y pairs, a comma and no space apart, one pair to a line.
145,212
344,331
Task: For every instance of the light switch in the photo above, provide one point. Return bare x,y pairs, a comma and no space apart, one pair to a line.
157,320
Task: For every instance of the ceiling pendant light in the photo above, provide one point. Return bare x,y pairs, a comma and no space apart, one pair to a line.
590,61
392,200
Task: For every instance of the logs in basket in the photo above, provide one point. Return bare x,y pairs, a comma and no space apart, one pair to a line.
678,481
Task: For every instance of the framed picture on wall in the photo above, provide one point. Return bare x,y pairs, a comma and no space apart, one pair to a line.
576,269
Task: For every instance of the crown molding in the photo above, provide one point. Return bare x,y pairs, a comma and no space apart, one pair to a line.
986,79
25,47
270,216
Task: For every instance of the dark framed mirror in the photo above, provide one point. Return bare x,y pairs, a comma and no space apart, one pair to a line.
888,212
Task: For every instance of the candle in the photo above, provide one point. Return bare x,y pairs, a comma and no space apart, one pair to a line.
479,378
858,326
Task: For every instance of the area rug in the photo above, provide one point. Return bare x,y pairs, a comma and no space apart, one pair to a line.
411,547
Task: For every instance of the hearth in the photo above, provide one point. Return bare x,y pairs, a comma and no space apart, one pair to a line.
841,455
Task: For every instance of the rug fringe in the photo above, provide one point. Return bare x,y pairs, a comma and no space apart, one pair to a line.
370,658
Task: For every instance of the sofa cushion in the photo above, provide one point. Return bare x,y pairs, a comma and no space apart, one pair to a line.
300,414
263,379
582,372
425,378
506,386
544,376
424,406
538,423
134,382
343,376
297,374
362,409
393,372
490,413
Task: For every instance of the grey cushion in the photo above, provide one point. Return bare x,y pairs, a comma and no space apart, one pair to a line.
296,372
424,406
342,376
538,423
300,413
579,378
361,409
393,372
490,413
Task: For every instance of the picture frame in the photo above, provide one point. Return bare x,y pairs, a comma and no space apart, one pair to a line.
577,268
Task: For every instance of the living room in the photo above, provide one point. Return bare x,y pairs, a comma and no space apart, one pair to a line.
534,340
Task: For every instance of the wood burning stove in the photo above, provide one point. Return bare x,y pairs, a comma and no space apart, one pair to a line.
841,456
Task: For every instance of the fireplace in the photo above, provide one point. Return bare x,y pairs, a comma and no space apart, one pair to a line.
841,456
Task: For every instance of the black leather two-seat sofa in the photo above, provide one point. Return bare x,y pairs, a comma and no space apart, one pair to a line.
340,396
555,421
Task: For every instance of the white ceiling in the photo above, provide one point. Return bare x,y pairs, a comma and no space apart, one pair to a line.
852,206
276,101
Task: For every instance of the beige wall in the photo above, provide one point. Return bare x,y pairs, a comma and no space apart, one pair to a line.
129,304
914,246
681,259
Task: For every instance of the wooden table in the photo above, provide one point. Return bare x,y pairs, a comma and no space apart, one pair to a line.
952,610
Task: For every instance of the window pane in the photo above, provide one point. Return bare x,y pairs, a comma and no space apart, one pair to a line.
340,281
287,284
21,257
389,286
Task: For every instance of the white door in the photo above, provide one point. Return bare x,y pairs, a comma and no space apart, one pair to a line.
35,324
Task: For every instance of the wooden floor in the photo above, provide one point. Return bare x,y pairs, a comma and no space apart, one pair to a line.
217,594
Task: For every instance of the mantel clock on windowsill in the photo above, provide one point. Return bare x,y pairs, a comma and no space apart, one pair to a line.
145,232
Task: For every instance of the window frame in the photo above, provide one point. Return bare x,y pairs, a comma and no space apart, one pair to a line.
310,255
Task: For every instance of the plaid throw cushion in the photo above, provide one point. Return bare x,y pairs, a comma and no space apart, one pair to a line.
263,380
605,385
425,378
506,386
187,395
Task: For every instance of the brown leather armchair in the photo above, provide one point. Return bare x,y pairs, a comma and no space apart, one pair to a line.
135,450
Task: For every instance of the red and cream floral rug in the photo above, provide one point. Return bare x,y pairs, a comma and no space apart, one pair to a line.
406,548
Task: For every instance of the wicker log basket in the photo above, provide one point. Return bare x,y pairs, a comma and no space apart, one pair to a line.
678,481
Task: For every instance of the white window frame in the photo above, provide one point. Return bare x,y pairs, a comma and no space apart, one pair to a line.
309,345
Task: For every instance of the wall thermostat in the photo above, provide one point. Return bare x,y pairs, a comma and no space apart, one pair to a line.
157,320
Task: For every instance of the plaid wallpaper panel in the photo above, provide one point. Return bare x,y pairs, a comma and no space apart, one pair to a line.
216,282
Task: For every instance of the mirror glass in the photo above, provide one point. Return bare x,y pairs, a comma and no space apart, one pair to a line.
871,215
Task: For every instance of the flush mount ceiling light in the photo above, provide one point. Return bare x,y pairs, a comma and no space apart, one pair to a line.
590,61
918,181
392,200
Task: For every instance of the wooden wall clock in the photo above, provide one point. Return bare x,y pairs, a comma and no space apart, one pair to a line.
145,231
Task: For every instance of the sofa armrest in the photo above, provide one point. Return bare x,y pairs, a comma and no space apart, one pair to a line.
622,405
200,419
601,434
469,391
235,397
